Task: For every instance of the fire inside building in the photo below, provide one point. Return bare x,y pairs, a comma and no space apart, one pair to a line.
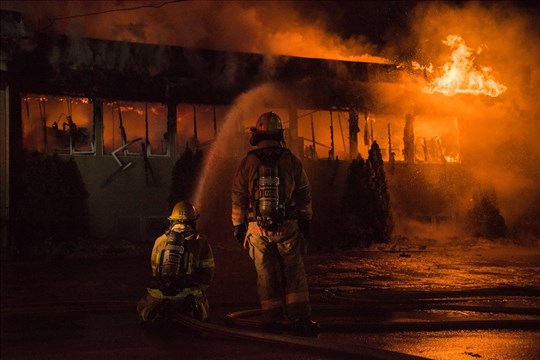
102,138
125,112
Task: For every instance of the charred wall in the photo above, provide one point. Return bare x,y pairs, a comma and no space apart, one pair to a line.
122,203
123,70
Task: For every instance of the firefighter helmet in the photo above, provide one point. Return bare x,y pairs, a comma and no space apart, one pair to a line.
268,123
184,211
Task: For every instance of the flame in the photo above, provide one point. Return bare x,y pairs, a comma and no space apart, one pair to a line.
138,109
452,158
462,76
416,66
35,98
75,100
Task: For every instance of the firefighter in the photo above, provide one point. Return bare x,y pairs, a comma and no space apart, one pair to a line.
182,269
271,211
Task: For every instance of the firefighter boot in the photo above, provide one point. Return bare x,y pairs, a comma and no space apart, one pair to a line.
305,327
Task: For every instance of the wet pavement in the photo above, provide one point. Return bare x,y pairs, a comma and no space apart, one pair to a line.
402,297
118,335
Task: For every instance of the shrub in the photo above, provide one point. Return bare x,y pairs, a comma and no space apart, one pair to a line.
184,175
365,212
53,203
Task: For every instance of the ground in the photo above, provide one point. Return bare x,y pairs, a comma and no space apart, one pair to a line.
457,299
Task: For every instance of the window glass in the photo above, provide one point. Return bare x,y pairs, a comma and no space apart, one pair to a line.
57,124
198,125
132,124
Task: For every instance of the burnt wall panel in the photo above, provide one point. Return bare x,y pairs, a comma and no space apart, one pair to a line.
126,194
146,72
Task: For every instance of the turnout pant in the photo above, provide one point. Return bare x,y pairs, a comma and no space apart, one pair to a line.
281,279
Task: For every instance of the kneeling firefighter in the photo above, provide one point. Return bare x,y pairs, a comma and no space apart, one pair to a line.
271,211
182,269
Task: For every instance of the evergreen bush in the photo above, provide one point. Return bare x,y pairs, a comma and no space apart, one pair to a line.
184,176
53,207
484,218
365,211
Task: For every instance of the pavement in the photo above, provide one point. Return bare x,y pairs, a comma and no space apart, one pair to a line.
84,308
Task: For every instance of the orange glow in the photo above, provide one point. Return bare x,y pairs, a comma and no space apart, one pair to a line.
134,123
416,66
35,98
462,76
139,111
47,123
75,100
275,27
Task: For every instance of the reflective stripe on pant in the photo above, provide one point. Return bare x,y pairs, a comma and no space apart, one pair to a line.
281,277
181,295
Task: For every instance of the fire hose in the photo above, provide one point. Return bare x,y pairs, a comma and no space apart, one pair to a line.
207,328
308,343
243,324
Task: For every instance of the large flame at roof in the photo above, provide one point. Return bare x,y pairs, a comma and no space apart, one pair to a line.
462,75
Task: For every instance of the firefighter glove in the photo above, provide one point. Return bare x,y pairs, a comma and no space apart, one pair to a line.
303,225
240,233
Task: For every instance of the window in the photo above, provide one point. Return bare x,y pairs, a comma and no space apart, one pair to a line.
198,125
135,126
58,124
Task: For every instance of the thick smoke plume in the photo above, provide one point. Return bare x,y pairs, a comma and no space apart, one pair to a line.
499,137
251,26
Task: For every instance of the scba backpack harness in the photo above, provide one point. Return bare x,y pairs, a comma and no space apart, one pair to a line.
173,265
269,194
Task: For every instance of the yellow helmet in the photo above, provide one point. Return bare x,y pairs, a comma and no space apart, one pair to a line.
184,211
268,123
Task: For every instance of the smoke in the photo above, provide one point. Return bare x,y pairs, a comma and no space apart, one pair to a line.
212,195
251,26
499,137
232,139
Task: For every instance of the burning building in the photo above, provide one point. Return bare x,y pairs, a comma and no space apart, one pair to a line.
125,111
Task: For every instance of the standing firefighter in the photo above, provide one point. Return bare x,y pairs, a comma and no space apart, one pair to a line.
271,211
182,269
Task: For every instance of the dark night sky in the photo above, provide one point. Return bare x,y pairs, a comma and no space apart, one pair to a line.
373,19
347,18
378,19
